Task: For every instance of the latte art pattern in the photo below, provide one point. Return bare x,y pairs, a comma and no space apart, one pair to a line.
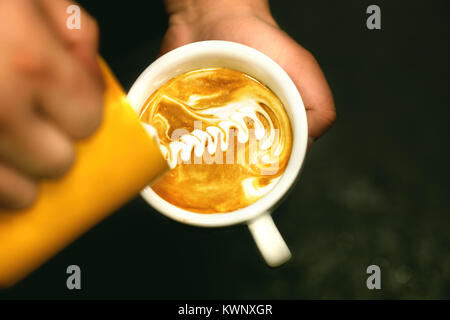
226,137
233,118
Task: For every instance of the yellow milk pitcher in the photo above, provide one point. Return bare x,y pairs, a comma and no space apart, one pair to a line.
111,166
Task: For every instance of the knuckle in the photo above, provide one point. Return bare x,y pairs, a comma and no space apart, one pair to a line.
329,117
86,103
29,59
90,108
330,110
86,127
26,45
60,162
308,55
95,112
92,30
91,123
89,31
89,118
28,195
16,191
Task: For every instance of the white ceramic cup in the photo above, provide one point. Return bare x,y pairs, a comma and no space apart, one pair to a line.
208,54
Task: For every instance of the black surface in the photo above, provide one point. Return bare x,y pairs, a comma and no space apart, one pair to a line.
374,190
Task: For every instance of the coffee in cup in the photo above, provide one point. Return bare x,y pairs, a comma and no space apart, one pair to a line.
226,136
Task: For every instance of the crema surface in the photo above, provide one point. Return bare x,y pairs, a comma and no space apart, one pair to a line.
226,136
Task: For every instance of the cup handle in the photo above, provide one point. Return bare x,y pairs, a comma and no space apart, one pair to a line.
269,240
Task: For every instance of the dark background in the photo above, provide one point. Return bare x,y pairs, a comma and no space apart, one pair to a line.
374,190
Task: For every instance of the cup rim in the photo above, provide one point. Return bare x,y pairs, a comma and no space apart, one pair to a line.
295,109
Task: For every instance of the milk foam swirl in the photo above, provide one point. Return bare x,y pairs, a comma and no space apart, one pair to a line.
226,137
232,115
